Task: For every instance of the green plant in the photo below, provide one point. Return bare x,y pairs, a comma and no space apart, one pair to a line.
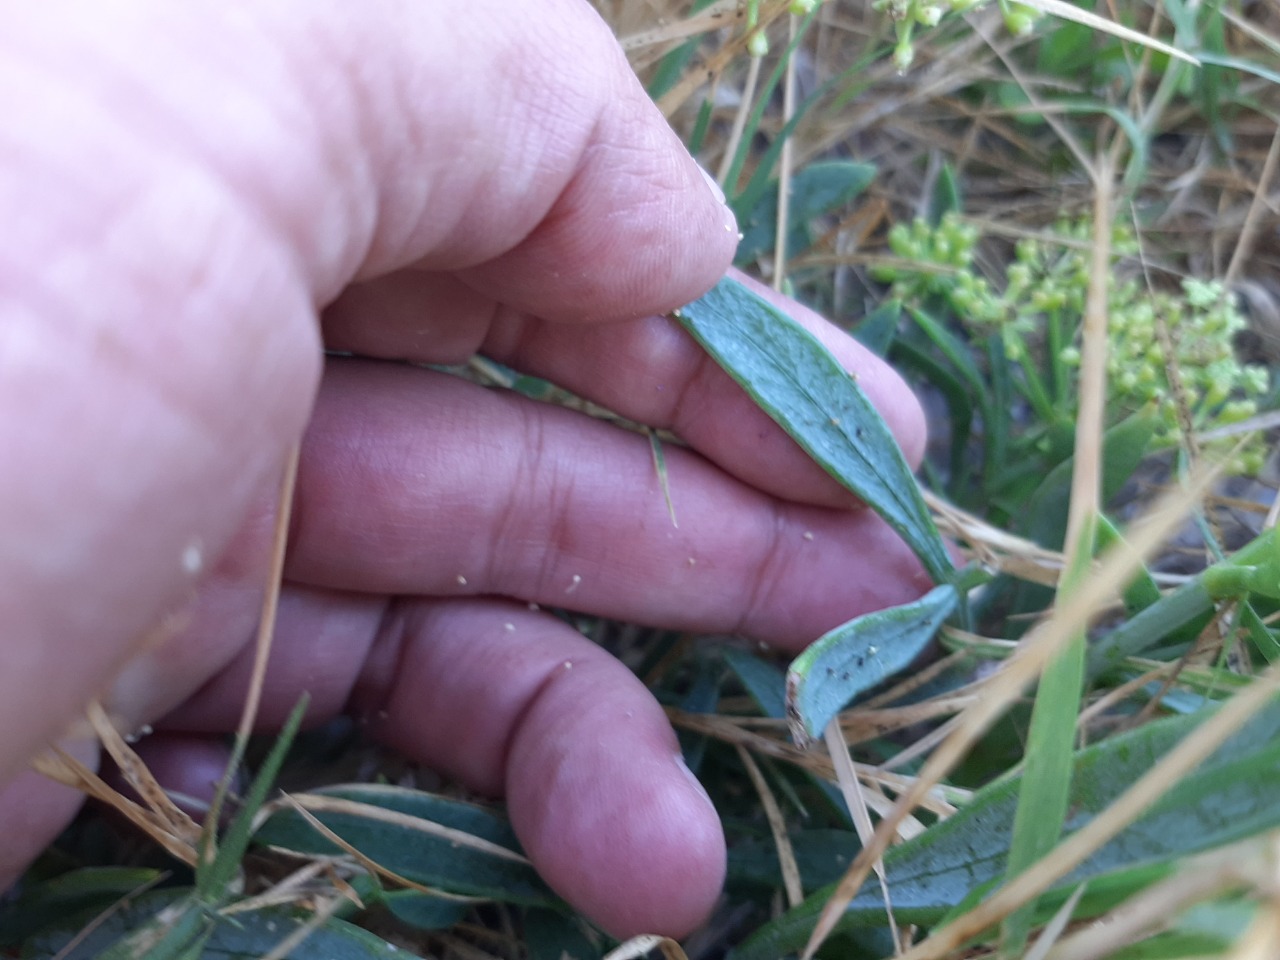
1171,354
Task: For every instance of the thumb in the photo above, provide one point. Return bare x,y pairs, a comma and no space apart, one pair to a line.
185,184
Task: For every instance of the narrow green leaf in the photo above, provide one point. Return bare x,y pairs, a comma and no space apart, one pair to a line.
1251,566
552,935
908,357
179,931
660,467
91,889
251,934
455,847
1260,635
213,877
799,384
857,656
1046,781
818,189
1231,796
424,911
1142,591
1238,63
822,856
750,194
877,330
1123,447
767,685
946,195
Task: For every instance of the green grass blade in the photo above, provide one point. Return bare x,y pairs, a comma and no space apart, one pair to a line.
1238,63
1046,781
795,380
1142,591
213,877
751,128
1260,635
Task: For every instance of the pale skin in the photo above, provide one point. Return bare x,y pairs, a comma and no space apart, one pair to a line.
196,198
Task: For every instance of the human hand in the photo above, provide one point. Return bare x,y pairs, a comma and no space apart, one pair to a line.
199,196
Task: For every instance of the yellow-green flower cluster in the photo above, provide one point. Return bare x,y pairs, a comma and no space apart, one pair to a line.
1201,323
1045,286
1019,20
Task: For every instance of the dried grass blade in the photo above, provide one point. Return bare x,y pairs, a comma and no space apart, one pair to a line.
140,778
851,789
778,827
319,803
368,862
715,17
1066,11
262,650
644,944
59,765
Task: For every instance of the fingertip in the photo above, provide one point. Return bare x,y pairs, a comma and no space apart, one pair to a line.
615,820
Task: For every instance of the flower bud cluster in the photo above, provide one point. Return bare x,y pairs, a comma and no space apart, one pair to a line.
1019,19
1047,282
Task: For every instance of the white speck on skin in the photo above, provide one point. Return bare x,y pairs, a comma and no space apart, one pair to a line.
568,664
193,558
462,581
808,534
693,562
509,627
534,608
575,583
143,731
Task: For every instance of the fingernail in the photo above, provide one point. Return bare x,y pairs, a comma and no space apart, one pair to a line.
693,779
712,184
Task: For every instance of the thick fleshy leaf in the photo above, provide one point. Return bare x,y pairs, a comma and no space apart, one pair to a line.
1231,796
859,655
796,381
447,845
